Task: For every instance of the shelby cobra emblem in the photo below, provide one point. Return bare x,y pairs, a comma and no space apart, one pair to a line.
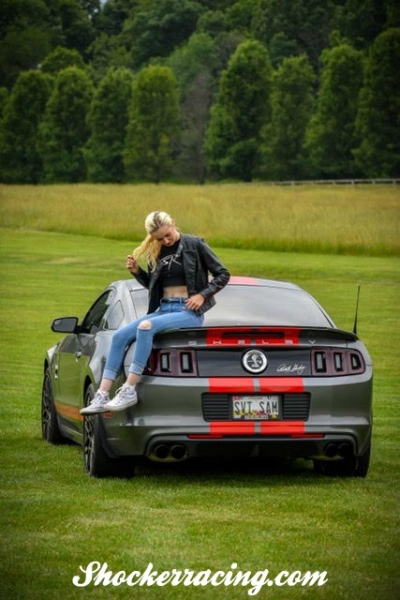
254,361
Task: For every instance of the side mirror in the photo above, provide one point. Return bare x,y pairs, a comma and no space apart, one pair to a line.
64,325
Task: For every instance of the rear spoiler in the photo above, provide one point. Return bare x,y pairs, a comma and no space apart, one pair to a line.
212,337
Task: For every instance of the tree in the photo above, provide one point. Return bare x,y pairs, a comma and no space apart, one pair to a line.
26,36
330,135
292,101
198,55
108,52
3,100
160,26
360,21
216,4
212,22
64,131
19,156
77,26
153,125
392,14
240,15
377,152
193,65
60,58
108,120
197,39
91,7
112,15
241,111
195,114
111,47
294,27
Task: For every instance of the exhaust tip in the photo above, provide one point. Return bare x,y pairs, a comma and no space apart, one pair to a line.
345,450
161,452
179,452
331,450
169,453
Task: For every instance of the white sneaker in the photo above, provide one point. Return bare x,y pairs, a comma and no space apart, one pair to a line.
126,396
97,405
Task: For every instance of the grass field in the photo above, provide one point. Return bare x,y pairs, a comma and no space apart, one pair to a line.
209,516
339,219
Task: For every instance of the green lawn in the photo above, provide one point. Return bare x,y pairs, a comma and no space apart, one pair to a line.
208,516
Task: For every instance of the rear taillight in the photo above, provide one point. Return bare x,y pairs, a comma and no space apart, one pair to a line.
172,363
331,362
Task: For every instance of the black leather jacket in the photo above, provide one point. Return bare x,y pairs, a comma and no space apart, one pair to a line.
198,260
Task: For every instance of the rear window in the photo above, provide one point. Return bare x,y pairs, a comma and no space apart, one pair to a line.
261,305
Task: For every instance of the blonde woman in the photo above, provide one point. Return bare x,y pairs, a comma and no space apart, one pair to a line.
180,292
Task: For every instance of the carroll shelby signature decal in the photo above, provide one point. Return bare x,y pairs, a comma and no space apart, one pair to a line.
290,369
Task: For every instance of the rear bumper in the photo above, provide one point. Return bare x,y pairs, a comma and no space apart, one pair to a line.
178,448
169,423
287,440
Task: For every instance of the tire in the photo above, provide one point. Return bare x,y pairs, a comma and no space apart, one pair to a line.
363,461
96,460
50,428
352,466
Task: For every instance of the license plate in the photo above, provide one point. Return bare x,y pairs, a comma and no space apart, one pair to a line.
250,408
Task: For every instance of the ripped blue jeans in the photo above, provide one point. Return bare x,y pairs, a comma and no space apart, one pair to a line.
172,314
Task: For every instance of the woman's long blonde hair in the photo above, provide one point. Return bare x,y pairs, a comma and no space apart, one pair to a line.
150,248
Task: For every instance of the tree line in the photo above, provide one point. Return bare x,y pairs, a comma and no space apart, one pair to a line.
185,90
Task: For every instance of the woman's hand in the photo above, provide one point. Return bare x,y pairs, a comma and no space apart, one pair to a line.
195,302
132,265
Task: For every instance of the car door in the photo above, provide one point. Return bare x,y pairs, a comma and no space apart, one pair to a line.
78,350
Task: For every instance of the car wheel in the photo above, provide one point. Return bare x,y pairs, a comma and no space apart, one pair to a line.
352,466
50,428
97,462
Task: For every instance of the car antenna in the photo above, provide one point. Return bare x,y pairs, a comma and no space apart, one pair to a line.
356,317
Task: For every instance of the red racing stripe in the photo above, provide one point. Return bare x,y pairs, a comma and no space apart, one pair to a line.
281,385
292,428
247,385
221,428
231,385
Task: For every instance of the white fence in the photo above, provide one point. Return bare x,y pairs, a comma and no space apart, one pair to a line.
337,182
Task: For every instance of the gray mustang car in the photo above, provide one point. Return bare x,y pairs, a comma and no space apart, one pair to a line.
268,375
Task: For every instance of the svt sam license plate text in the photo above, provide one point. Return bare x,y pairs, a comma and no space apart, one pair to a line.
256,407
